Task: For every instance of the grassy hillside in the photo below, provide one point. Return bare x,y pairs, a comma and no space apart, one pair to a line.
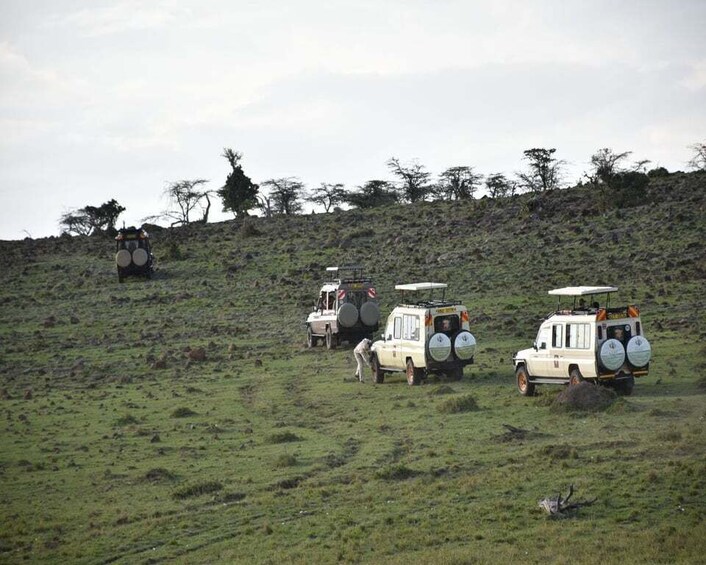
121,443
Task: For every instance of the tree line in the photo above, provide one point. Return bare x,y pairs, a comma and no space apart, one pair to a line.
616,181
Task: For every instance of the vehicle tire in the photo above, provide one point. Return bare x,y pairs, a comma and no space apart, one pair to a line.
624,387
414,375
369,313
347,315
310,339
455,374
331,340
575,377
123,258
524,385
140,257
378,373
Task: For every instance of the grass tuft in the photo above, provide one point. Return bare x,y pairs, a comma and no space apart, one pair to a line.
197,489
465,403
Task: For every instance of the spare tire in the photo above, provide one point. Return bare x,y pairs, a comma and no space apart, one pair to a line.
464,345
612,354
639,351
347,315
439,347
123,258
139,257
369,313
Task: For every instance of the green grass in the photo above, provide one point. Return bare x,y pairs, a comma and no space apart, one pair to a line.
268,452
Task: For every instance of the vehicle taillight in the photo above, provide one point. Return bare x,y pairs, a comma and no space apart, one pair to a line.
633,311
601,315
427,319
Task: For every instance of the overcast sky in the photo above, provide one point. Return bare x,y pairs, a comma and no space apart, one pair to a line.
106,99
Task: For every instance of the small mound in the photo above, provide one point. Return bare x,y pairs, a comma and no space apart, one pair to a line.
458,404
584,397
443,389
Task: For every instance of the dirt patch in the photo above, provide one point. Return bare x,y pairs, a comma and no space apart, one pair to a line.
584,397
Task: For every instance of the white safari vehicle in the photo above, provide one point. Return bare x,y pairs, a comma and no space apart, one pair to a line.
586,339
424,336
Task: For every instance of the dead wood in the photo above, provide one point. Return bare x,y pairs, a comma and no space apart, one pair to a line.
557,506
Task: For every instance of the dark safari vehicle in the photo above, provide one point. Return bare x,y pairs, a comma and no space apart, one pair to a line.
346,308
133,253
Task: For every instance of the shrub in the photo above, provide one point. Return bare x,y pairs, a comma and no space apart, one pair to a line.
283,437
183,412
198,489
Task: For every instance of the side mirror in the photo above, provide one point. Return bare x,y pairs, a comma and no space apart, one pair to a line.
534,345
388,337
543,345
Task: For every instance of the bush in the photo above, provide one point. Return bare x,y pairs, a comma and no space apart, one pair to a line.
197,490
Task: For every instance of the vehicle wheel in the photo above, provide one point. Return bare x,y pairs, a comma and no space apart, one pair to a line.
378,374
330,339
310,339
575,377
524,385
413,374
625,387
455,374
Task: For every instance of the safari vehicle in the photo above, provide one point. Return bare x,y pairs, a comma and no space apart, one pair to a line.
133,253
346,309
586,340
424,336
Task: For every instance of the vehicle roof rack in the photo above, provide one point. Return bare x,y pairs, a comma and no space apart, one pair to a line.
582,290
348,273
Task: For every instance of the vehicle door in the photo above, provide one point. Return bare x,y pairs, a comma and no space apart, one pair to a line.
410,344
556,360
538,364
322,313
389,354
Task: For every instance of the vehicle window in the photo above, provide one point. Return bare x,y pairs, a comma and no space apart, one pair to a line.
600,333
578,336
621,333
398,328
446,324
557,331
410,327
542,338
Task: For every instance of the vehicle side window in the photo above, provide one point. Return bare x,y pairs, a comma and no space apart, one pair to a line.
542,338
410,327
578,336
557,331
600,333
398,328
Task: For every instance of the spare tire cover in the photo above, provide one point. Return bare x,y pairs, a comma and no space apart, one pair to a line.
123,258
369,313
139,257
639,351
347,315
465,345
439,347
612,354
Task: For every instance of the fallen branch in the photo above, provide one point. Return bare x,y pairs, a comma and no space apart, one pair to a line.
555,506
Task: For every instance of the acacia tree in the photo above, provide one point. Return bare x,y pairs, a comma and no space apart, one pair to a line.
186,197
498,186
284,195
616,184
698,159
372,194
459,183
239,193
91,219
327,195
544,170
605,163
414,180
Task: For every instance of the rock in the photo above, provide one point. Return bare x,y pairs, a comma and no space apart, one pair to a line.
27,394
198,354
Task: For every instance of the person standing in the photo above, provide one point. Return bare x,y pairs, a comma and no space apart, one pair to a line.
362,355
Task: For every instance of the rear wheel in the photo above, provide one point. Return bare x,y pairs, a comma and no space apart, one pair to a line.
455,374
575,377
524,385
378,374
625,386
414,375
310,339
330,339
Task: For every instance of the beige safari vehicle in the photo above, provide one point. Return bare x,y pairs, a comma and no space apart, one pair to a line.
424,336
586,339
346,309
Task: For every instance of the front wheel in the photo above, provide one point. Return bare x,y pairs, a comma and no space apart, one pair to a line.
310,339
330,339
378,374
524,385
414,375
